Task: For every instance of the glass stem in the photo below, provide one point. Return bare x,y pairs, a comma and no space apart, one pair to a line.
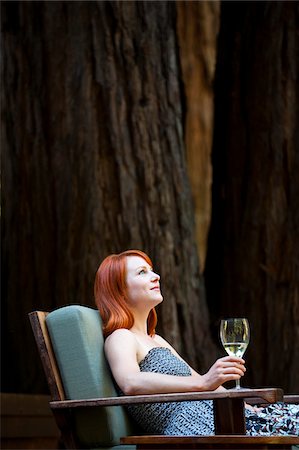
238,384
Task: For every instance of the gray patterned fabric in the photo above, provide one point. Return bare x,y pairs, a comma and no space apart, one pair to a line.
183,418
196,418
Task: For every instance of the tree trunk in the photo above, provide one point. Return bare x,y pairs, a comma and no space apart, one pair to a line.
254,238
94,163
198,26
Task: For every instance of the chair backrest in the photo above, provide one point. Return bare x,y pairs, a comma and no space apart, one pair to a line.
43,341
77,341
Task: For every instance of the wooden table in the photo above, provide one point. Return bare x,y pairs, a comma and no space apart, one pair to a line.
220,442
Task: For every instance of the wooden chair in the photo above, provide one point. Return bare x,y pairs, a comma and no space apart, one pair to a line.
88,411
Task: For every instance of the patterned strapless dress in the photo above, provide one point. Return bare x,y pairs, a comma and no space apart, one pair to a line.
195,418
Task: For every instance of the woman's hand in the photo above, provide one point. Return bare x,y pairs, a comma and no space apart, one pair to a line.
224,369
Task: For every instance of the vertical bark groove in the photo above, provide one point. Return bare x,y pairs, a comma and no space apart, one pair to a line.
254,234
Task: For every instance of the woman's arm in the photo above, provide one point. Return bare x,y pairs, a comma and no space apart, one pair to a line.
121,350
164,343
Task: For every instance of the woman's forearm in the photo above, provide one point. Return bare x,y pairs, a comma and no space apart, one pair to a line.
223,370
156,383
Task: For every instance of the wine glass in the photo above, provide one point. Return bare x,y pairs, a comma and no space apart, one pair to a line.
234,335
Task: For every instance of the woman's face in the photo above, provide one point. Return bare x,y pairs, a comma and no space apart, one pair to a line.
143,284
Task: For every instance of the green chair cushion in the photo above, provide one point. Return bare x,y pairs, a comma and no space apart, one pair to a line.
77,339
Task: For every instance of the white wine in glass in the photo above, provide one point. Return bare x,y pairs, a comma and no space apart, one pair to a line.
234,335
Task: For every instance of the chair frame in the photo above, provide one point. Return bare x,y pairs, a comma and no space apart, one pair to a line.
228,408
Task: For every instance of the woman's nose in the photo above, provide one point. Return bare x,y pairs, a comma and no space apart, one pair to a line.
155,276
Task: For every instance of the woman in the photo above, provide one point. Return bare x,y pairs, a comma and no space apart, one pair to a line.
126,292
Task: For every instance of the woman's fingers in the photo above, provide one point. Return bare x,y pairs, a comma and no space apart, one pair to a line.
223,362
232,359
233,364
225,369
231,368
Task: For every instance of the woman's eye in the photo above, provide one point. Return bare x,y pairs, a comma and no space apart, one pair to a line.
141,272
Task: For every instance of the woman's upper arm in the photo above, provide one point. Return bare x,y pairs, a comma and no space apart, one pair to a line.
121,353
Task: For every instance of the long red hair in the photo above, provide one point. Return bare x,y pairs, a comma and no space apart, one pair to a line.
110,292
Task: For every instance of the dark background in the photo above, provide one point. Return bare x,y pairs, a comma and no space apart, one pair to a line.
171,127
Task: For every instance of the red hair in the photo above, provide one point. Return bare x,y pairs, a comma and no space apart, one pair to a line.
110,291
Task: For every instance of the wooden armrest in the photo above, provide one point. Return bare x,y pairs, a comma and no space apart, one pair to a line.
228,405
291,398
270,395
260,401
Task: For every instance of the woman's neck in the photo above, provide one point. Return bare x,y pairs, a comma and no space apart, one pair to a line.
140,329
140,324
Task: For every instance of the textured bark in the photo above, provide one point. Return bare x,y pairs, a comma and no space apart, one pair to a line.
94,163
198,26
252,267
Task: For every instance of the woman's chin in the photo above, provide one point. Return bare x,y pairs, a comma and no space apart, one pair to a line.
160,299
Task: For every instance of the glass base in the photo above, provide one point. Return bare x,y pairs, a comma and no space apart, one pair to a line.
240,388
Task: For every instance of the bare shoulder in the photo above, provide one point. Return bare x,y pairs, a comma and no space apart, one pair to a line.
121,333
160,340
120,338
121,352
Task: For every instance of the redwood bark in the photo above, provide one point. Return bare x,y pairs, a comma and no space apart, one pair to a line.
252,267
198,26
94,163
